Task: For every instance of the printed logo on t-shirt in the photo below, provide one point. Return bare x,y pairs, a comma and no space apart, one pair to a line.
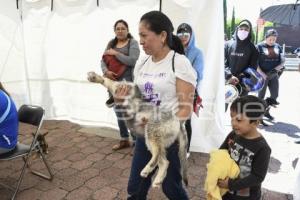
237,54
243,158
148,94
272,53
156,75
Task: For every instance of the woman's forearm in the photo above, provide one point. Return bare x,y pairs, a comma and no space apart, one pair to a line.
184,112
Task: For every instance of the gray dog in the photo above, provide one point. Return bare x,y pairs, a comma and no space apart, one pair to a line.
160,129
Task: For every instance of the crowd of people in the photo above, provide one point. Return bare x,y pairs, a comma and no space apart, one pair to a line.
169,77
266,58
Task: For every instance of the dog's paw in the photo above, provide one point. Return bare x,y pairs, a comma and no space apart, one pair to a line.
156,183
91,76
145,172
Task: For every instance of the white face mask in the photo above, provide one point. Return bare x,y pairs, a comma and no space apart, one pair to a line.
242,34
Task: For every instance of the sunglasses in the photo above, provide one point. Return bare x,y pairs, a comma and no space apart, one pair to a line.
185,35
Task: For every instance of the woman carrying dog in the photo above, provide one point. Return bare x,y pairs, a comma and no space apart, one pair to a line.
121,52
166,79
8,122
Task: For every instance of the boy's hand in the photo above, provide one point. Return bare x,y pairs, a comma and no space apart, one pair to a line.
223,183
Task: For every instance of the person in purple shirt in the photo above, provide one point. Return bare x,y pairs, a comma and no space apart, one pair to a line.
9,123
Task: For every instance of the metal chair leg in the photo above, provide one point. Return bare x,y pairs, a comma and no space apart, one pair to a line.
35,172
7,187
20,178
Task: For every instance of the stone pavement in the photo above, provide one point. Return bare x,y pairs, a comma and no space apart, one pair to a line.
85,167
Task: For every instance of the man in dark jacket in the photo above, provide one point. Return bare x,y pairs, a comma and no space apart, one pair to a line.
240,53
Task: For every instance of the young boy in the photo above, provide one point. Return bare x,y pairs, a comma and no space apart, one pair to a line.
248,148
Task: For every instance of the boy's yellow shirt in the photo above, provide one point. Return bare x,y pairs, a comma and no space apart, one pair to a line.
220,166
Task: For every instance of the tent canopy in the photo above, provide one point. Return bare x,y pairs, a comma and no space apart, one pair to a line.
286,14
45,57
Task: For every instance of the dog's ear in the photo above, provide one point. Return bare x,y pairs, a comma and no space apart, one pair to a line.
46,133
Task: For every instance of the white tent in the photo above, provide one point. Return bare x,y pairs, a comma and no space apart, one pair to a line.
45,56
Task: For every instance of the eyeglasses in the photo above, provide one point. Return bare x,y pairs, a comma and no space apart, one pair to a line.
183,35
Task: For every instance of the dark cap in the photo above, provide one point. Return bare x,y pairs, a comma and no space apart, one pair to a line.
244,23
271,32
184,27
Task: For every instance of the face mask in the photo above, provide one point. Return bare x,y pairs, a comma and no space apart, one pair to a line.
242,34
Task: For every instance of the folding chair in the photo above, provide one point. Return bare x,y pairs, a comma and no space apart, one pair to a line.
32,115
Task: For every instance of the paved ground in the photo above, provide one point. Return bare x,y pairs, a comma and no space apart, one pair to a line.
85,167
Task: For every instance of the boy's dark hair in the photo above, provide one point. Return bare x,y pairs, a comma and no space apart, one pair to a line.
159,22
252,106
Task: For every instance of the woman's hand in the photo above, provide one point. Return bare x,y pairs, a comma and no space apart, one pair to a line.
111,75
111,52
223,183
233,80
121,93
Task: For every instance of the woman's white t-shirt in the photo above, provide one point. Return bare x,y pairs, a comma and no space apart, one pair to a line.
157,80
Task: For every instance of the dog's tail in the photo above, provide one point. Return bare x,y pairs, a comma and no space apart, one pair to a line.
183,142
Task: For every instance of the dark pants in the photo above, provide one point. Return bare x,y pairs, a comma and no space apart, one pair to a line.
122,125
188,128
273,83
138,186
188,123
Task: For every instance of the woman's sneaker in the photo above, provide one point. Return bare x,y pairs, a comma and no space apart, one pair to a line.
110,102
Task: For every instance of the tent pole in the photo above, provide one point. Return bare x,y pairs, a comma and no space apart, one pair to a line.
25,58
160,3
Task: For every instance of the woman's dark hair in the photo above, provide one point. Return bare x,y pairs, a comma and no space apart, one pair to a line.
159,22
271,32
252,106
3,89
115,40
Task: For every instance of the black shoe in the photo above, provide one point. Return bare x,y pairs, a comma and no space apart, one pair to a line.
269,116
272,102
110,102
276,103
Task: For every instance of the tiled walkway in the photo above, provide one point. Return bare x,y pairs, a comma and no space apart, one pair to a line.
85,167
